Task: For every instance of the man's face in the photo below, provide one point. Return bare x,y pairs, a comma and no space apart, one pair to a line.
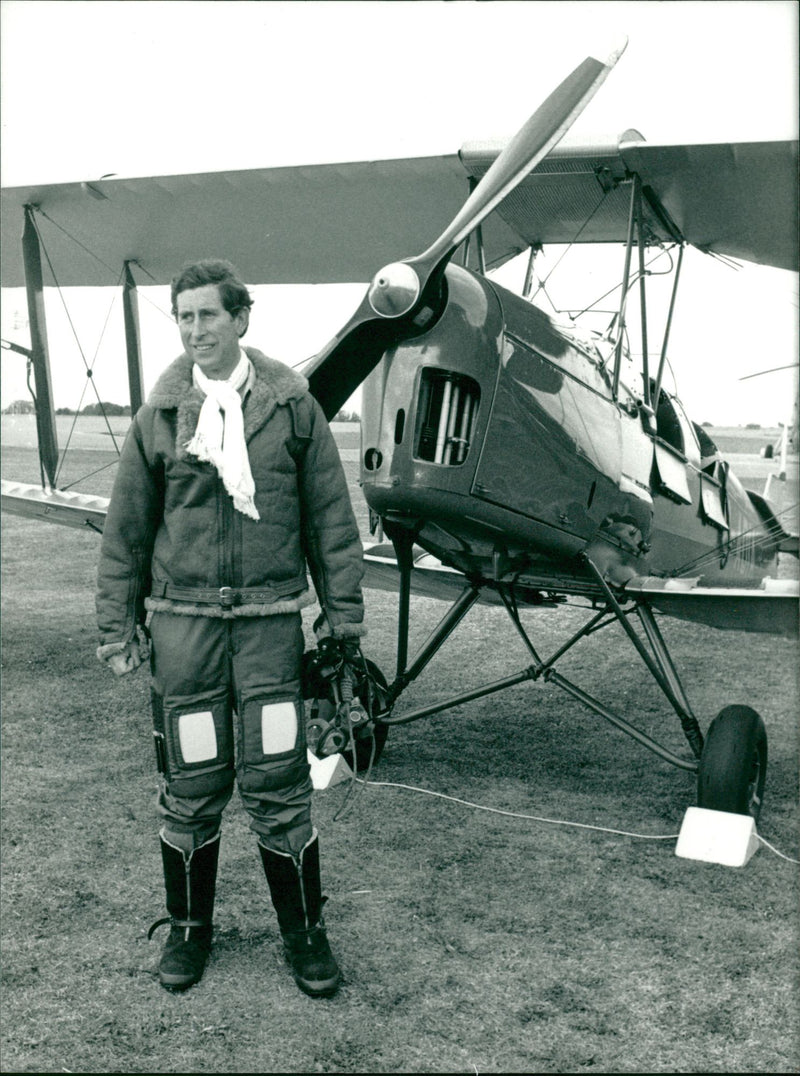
209,333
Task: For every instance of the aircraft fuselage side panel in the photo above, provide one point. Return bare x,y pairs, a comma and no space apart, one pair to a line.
426,404
495,435
426,412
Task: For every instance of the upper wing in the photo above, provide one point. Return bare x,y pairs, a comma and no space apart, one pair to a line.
316,224
739,199
336,222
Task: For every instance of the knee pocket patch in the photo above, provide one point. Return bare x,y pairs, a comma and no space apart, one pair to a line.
273,742
194,743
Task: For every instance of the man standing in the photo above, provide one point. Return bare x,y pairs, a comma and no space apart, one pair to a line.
229,485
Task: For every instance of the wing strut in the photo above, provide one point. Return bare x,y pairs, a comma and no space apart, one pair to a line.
658,662
637,193
133,339
45,413
626,275
663,359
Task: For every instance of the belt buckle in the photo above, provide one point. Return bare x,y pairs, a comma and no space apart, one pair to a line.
228,597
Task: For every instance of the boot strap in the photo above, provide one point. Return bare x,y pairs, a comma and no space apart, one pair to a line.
181,923
305,939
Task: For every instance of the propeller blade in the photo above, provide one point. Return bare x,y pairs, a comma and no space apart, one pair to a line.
336,372
534,140
400,301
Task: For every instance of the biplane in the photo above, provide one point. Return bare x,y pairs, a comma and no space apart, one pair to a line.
506,456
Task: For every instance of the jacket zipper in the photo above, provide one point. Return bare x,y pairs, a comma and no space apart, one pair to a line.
301,878
187,868
227,526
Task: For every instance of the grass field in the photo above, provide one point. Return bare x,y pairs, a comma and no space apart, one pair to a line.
470,941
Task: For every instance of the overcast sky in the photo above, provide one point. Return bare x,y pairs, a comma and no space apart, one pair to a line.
136,88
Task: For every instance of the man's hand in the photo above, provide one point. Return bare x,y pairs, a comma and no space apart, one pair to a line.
351,649
127,660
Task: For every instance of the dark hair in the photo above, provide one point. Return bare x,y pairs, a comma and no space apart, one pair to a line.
232,292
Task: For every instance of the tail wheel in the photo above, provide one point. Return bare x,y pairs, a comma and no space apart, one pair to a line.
733,765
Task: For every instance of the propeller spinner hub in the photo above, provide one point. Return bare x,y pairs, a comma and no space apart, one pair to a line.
394,290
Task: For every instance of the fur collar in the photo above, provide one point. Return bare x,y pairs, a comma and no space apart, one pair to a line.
275,384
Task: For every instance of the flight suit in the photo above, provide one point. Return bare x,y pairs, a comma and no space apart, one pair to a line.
222,594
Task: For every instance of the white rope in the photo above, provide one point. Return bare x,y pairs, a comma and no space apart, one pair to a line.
530,817
775,850
553,821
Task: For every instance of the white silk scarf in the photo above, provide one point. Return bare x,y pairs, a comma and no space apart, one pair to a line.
219,437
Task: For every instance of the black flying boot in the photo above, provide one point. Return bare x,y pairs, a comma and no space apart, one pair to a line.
190,881
296,891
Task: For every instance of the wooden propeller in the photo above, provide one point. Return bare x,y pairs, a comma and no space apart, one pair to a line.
402,297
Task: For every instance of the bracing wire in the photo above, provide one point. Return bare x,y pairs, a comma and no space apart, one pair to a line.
89,366
743,541
75,334
110,268
69,235
542,283
90,369
635,277
91,474
725,259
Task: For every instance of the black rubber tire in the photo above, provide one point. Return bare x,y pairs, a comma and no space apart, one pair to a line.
733,765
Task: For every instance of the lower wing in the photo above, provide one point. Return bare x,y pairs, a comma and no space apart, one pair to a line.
757,605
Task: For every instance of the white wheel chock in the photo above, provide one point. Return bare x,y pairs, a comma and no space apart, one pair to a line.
717,837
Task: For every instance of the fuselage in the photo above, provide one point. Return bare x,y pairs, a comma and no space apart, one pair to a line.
497,439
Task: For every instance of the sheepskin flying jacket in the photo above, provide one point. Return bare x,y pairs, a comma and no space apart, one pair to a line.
171,523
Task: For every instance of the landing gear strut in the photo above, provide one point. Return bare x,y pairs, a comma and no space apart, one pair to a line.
730,764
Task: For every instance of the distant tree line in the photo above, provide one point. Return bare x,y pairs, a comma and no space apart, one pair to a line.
25,407
99,409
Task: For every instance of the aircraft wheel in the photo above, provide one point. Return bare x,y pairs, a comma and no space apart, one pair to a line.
372,696
733,765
